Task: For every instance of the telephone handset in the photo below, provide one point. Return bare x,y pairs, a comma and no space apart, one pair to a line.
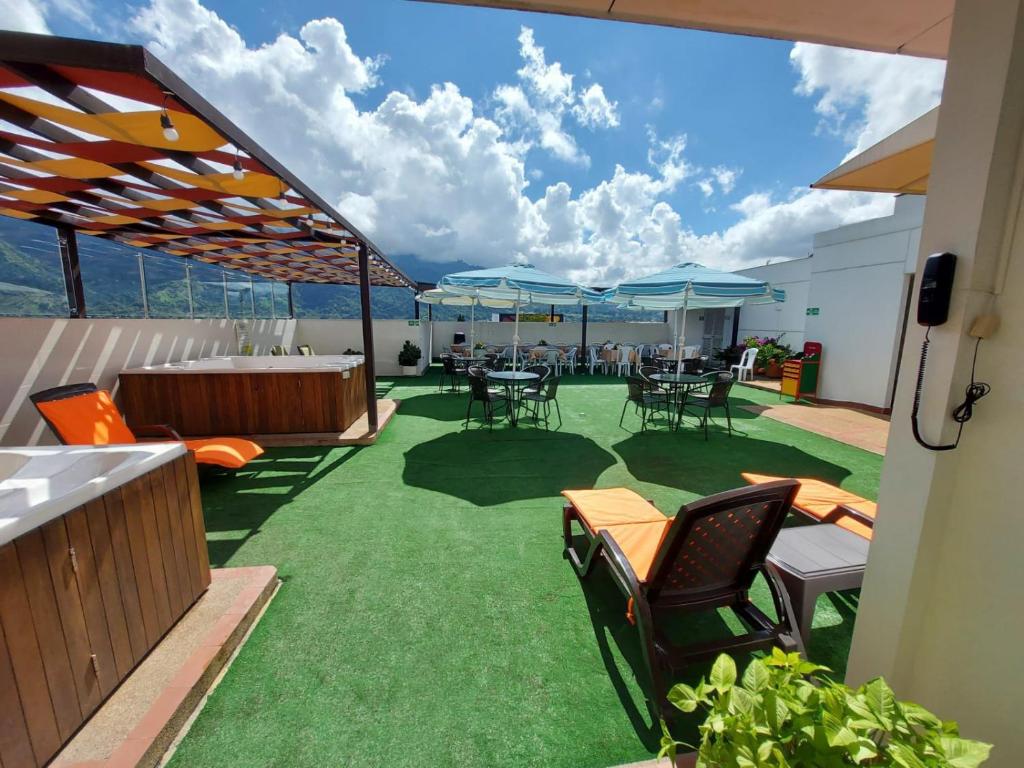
933,309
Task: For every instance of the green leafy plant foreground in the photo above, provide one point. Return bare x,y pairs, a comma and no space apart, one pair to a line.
785,713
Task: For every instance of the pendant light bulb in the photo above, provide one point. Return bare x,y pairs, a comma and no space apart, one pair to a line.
170,132
237,171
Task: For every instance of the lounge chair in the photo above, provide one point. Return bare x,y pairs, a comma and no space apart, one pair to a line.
828,504
703,559
305,350
82,414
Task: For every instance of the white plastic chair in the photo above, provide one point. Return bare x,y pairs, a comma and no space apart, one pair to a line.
570,359
745,369
553,360
625,353
594,359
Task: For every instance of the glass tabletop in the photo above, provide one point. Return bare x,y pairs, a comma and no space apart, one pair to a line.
512,376
677,378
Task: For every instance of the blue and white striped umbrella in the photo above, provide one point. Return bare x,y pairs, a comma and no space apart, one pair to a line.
692,286
522,284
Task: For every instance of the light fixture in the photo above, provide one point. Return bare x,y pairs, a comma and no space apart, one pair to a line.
237,171
170,132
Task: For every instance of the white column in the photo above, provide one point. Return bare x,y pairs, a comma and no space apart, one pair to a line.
942,608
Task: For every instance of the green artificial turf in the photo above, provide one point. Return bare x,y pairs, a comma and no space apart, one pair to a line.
427,617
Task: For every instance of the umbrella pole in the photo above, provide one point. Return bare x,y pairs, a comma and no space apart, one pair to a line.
515,334
679,346
472,328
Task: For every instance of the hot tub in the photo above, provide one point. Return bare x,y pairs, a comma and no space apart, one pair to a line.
40,484
260,395
102,550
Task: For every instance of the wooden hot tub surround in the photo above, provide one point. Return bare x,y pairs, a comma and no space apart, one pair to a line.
203,403
86,596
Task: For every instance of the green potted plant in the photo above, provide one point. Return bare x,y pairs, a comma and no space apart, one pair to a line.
479,349
786,713
409,357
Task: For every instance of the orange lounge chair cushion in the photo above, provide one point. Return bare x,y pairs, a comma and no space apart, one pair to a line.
87,419
819,499
229,452
636,525
613,506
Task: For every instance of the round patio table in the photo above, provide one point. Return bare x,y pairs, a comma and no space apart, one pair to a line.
514,383
679,384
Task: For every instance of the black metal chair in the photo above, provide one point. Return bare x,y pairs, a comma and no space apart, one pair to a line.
643,398
717,396
704,559
450,373
542,371
645,373
479,392
546,394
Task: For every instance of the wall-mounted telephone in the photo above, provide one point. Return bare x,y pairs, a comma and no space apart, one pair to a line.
933,309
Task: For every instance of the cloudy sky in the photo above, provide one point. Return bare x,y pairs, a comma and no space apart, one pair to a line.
594,149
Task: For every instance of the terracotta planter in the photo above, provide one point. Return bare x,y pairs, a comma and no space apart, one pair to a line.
773,370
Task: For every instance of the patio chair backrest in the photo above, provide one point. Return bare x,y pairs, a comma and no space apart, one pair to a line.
593,354
478,389
719,392
477,372
82,414
646,371
305,350
448,364
541,370
748,358
551,357
549,389
625,352
498,364
717,545
637,386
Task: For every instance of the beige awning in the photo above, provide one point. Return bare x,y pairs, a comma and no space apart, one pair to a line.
910,27
898,163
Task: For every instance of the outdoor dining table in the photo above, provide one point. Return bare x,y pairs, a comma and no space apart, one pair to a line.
678,384
514,382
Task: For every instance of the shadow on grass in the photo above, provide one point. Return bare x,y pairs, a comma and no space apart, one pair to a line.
490,468
234,513
684,460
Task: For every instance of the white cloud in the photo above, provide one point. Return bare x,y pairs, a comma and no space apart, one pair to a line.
594,110
23,16
535,110
445,178
725,179
866,96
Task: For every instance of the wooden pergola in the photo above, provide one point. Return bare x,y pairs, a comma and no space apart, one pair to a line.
103,140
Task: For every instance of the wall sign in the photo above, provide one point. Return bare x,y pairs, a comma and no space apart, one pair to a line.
814,310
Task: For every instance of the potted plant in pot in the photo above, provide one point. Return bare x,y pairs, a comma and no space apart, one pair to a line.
479,349
786,713
408,358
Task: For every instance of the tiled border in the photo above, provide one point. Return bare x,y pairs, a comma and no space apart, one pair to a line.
155,732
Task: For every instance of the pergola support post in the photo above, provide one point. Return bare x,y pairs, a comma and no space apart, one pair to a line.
415,308
735,326
67,242
369,368
291,301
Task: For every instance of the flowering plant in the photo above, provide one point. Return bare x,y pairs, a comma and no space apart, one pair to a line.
769,349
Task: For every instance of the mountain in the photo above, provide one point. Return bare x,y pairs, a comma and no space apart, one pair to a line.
425,271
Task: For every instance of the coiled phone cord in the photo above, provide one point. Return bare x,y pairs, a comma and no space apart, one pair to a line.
962,413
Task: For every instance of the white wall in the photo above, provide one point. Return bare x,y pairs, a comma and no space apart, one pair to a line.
940,613
47,352
857,280
859,285
332,337
786,319
560,333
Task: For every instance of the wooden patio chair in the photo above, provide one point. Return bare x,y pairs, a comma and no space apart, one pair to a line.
703,559
82,414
